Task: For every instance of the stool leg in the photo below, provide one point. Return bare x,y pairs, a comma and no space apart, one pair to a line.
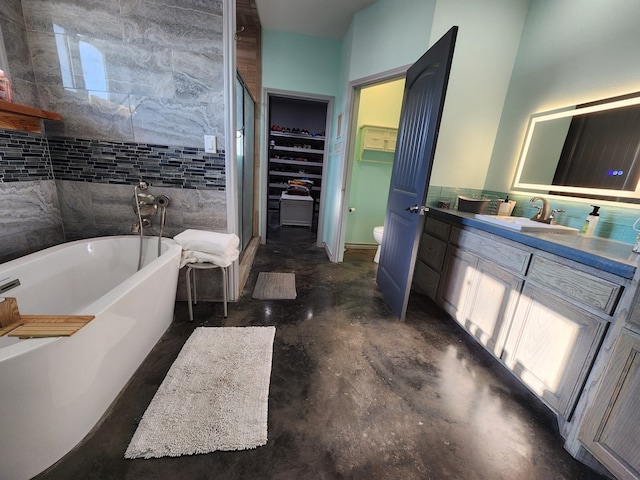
224,289
195,289
189,293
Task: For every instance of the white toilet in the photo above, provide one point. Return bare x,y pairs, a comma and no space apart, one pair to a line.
377,234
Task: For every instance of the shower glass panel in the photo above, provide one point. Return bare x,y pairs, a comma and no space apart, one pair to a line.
245,161
248,170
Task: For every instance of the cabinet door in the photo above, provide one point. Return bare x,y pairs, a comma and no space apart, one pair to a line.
392,139
612,428
432,251
374,138
492,301
460,274
425,280
551,346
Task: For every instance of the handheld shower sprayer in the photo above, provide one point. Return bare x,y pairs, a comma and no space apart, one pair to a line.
162,201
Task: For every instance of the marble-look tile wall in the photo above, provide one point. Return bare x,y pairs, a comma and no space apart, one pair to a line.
29,218
129,70
95,209
20,68
29,213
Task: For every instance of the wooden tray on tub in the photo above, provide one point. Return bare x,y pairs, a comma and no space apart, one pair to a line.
40,326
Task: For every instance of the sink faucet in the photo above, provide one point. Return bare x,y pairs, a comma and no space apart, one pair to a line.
543,214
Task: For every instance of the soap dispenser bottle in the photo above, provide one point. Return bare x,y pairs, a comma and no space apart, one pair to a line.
504,208
591,222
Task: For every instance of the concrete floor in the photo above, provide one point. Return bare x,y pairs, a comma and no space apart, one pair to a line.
355,394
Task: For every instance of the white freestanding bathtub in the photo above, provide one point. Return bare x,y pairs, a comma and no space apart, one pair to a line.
55,390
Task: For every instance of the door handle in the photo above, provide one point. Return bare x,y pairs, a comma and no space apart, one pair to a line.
421,209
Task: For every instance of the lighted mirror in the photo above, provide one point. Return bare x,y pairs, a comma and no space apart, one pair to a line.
585,150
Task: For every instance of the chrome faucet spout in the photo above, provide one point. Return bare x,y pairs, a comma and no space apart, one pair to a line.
543,214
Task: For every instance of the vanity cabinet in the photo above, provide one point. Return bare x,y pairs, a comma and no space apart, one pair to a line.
542,316
613,423
556,313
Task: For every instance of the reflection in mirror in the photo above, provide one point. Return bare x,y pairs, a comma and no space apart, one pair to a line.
590,150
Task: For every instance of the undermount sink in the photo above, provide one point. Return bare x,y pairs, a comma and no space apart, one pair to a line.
524,224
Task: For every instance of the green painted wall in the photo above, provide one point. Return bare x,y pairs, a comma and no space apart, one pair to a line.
389,34
562,63
485,52
334,171
300,63
380,106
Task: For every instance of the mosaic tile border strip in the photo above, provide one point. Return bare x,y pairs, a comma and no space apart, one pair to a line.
88,160
23,157
29,157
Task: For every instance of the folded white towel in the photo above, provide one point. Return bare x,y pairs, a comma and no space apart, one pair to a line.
190,256
223,244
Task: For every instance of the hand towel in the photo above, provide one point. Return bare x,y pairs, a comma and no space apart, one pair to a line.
223,244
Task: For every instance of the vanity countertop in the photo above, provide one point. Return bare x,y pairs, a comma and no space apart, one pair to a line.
607,255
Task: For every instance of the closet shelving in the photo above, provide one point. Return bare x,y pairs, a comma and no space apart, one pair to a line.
294,156
297,150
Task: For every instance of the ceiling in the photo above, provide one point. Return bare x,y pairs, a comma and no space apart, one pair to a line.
318,18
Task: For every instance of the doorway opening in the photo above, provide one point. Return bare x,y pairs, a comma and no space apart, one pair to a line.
377,115
374,107
297,146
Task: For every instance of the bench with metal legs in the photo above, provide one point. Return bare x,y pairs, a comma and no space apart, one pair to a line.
191,276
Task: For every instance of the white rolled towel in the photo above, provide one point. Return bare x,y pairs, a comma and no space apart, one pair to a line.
190,256
223,244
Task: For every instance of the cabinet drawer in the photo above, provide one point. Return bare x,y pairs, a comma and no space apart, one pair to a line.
426,280
432,251
568,282
437,228
506,256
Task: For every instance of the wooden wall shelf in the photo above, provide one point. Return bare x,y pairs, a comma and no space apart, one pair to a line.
14,116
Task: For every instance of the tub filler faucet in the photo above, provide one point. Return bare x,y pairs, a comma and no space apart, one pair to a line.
145,205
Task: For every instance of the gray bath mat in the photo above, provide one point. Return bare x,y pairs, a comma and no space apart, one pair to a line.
275,286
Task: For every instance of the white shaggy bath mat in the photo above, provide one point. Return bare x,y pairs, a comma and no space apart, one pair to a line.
214,397
275,286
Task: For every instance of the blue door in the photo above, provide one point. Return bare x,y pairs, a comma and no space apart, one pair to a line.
422,105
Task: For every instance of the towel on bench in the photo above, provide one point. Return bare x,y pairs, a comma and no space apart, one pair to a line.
221,244
191,256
